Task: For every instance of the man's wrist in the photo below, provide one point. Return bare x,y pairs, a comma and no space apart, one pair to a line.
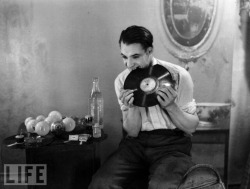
126,108
170,107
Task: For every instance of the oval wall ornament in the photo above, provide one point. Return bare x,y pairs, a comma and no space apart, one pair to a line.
190,26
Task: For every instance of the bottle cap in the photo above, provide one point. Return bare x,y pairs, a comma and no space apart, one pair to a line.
96,125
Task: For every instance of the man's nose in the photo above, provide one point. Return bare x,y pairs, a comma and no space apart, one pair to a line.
130,63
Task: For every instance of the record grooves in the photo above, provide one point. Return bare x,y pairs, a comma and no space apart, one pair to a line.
146,81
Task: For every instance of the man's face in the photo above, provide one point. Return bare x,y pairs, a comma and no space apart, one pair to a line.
134,56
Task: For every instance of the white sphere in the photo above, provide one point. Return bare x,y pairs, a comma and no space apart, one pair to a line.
40,118
27,120
57,116
42,128
31,126
49,120
69,124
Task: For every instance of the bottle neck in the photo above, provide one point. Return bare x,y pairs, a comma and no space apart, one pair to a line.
95,87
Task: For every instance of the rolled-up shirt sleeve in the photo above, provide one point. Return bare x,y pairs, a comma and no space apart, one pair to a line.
185,93
189,107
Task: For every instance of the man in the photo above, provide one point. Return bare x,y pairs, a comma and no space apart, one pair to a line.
158,137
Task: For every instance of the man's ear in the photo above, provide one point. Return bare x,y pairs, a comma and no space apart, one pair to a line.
150,50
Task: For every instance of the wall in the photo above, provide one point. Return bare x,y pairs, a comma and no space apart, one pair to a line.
50,50
240,130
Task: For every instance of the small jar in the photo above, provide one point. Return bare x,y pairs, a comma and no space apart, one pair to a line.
88,119
97,131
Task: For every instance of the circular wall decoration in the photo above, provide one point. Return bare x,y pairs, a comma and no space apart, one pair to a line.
190,26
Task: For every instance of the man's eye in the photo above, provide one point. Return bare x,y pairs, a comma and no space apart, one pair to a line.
135,57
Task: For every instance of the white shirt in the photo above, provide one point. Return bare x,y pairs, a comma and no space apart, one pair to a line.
154,117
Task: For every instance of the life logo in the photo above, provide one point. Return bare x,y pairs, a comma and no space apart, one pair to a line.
25,174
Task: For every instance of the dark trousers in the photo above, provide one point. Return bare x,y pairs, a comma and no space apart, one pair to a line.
163,154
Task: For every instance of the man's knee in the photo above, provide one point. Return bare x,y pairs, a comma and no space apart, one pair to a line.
98,182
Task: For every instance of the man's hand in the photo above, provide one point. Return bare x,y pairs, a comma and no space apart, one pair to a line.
166,96
131,117
127,97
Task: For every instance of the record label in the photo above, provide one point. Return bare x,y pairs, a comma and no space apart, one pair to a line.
148,85
146,81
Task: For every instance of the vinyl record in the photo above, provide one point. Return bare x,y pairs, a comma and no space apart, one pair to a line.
146,81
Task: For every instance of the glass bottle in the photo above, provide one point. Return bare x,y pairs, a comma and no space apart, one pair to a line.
97,131
96,102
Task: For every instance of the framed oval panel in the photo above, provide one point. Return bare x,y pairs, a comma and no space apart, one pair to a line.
190,26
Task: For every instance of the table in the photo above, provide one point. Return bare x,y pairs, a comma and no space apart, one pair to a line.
214,138
69,165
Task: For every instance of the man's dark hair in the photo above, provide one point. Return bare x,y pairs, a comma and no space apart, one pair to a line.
137,34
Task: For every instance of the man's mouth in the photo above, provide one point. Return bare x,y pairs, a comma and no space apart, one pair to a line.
133,68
